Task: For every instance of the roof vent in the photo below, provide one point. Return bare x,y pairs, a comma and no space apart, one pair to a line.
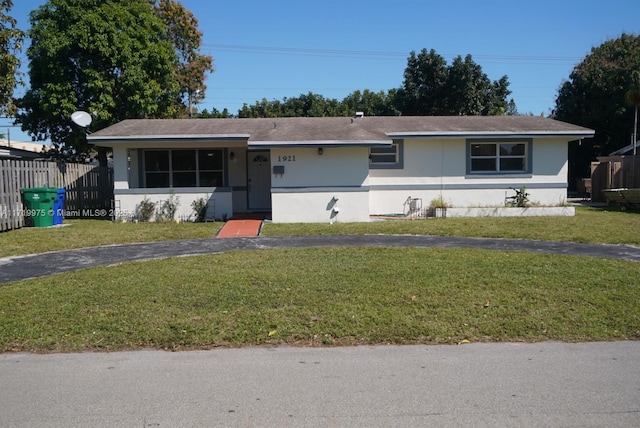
359,114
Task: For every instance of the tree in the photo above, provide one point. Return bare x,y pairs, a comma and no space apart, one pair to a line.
215,113
10,46
423,89
632,96
512,109
370,103
432,88
110,58
595,96
261,108
305,105
183,33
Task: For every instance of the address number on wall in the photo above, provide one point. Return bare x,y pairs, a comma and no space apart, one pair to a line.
287,158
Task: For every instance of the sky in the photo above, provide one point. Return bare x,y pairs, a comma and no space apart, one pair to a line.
284,48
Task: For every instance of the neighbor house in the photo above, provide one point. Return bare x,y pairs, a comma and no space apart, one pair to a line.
343,169
20,150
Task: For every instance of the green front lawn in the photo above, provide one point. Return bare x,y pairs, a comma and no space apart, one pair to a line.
91,233
335,296
326,296
589,225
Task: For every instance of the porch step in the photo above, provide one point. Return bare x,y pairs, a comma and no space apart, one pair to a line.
239,228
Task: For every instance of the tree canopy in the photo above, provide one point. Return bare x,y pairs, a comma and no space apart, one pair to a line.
306,105
599,95
182,28
116,59
433,88
597,92
10,46
430,88
315,105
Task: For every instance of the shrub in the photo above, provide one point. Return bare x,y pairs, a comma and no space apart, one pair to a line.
200,208
520,199
167,209
438,202
145,210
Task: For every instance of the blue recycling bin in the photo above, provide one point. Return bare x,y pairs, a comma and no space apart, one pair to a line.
58,206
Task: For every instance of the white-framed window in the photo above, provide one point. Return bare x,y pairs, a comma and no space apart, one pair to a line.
183,168
498,157
389,157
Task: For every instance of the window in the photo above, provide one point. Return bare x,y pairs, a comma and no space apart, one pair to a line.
183,168
156,165
488,157
389,157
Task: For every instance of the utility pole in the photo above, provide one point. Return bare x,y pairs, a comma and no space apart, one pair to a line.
635,149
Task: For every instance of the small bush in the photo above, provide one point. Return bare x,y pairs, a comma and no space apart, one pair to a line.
520,199
438,202
200,208
145,210
167,209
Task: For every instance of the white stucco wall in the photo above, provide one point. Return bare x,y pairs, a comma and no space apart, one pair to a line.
219,203
306,190
436,168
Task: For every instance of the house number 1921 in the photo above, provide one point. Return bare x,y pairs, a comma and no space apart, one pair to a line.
287,158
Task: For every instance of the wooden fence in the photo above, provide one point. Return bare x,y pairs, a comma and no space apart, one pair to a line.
89,189
612,172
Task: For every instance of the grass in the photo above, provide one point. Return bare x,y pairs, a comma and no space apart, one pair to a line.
328,296
335,296
589,225
91,233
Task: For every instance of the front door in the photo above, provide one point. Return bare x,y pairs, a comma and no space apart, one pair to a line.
259,181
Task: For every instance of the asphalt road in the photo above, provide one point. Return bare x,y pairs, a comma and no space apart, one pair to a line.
37,265
474,385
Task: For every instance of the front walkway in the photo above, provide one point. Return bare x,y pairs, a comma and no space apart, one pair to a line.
240,228
38,265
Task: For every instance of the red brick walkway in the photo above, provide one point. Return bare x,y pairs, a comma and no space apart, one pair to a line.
239,228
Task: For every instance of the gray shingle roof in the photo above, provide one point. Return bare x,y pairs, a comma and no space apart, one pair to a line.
371,128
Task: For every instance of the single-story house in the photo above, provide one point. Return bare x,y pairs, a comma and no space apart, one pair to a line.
325,169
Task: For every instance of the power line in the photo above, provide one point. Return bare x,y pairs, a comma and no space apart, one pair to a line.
341,53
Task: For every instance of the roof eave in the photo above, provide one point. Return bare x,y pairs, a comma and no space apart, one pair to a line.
318,143
117,139
494,134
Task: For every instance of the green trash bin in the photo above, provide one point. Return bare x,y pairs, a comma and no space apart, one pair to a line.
39,206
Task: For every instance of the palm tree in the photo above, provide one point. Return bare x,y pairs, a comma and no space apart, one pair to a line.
633,97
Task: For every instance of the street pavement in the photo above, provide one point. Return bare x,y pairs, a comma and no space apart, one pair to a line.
475,385
38,265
